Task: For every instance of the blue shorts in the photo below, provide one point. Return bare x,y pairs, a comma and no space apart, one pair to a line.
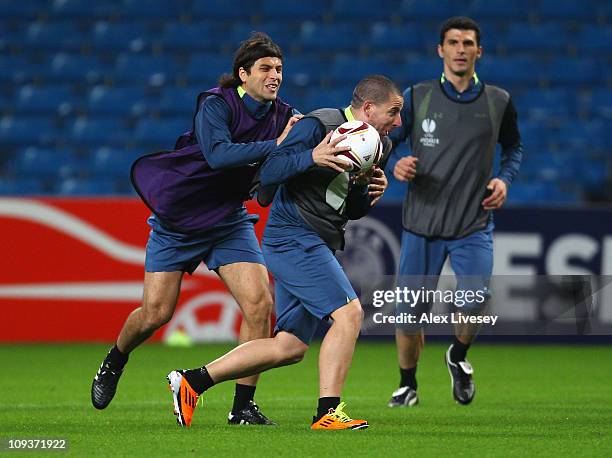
309,284
422,259
231,240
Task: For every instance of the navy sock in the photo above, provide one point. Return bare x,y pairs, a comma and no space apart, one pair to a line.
458,351
242,396
116,358
325,404
199,379
408,377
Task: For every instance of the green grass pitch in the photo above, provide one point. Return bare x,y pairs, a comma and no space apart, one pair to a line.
530,400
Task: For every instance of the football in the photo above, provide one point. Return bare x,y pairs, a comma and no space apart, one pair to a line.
364,140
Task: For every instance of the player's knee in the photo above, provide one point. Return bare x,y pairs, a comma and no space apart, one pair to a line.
350,315
257,308
295,353
155,319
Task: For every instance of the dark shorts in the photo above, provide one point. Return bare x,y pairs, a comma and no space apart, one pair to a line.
309,285
422,259
231,240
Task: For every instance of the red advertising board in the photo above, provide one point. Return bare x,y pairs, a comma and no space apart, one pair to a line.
72,270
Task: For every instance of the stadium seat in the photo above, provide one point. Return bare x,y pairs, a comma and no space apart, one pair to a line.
540,39
431,10
509,71
415,69
226,10
565,10
121,101
108,36
154,9
86,187
44,100
482,10
160,134
303,70
282,33
98,131
329,38
364,12
321,97
56,36
348,69
586,136
205,69
386,37
21,187
295,11
22,10
83,9
74,68
113,164
573,72
595,40
597,103
177,101
546,105
39,130
17,69
139,69
46,163
187,38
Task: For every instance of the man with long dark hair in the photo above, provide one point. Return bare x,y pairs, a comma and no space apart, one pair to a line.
196,193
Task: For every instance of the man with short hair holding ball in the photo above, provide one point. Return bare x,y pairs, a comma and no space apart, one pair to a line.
315,199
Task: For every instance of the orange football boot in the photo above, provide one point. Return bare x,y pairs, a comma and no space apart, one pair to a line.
184,397
337,419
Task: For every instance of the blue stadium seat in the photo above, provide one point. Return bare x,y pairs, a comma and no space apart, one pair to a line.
45,100
108,36
295,11
160,134
597,103
431,10
509,71
55,36
144,69
84,9
303,70
535,136
109,163
416,69
205,69
547,104
22,10
542,38
573,72
67,68
330,38
364,12
320,97
154,9
586,136
595,40
176,101
281,32
516,10
44,163
17,69
565,10
227,10
121,101
195,37
386,37
21,187
348,69
86,187
39,130
98,131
